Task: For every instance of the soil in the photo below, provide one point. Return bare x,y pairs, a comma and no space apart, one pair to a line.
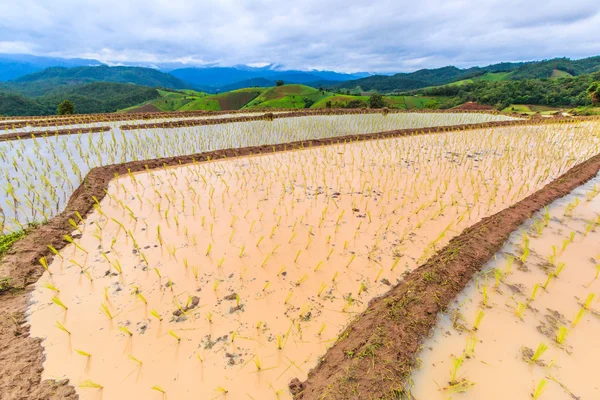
388,332
470,105
146,108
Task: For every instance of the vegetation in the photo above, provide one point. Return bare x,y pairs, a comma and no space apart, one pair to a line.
66,107
594,92
555,68
95,97
570,91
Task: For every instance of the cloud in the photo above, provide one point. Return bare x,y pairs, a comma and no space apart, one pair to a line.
345,35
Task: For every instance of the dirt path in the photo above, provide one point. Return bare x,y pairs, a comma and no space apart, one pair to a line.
388,332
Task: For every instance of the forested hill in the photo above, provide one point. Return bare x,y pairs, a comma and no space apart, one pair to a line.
555,68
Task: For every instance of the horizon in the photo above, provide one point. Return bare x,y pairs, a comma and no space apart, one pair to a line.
346,36
276,67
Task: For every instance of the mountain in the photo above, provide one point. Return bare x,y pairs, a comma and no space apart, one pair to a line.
554,68
13,66
41,82
213,78
94,97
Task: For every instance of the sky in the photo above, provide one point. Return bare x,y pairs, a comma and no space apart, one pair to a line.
340,35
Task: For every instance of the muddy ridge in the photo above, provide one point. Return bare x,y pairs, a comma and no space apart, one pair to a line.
390,330
37,134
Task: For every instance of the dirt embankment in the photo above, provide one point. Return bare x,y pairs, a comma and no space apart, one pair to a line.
36,134
383,341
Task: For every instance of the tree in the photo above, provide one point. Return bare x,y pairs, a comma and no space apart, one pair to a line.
328,104
66,107
279,83
376,101
308,102
431,105
594,92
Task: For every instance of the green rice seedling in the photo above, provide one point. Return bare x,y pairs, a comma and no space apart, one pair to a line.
548,279
83,353
288,297
242,250
478,318
106,311
89,384
158,389
539,352
257,363
497,277
208,249
142,298
588,301
175,336
470,346
70,240
63,328
221,390
44,264
509,264
334,277
233,336
126,331
321,329
580,315
534,292
209,317
540,388
394,264
279,342
321,289
455,367
362,288
260,239
59,303
302,279
318,266
351,259
54,251
521,307
156,315
485,296
136,360
561,334
559,268
297,255
50,286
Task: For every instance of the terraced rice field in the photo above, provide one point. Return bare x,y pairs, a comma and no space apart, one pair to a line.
228,278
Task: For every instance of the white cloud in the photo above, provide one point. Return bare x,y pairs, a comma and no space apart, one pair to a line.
345,35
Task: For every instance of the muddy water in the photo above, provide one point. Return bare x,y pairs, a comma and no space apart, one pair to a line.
299,243
498,369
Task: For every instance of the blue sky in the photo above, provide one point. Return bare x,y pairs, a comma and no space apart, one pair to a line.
342,35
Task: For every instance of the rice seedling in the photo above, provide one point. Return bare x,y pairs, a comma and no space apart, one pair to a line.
470,347
539,389
89,384
158,389
539,352
579,316
59,303
561,334
63,328
175,336
454,369
126,331
534,291
478,318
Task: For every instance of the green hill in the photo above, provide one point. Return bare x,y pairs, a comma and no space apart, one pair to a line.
43,82
95,97
546,69
288,96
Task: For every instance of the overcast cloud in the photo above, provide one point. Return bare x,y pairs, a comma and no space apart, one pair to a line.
342,35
